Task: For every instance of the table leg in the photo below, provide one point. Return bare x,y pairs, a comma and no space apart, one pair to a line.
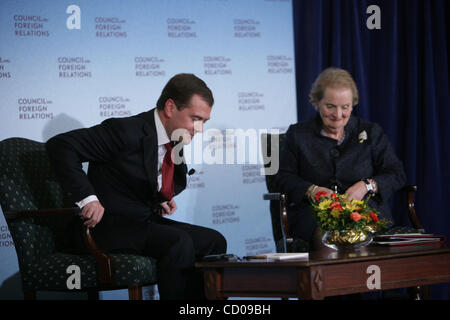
213,283
310,283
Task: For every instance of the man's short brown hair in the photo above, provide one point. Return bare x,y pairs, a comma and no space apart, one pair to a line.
181,88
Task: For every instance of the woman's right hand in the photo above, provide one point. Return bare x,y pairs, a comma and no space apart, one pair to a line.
321,189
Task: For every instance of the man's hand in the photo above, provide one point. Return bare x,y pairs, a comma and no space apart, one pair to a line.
356,191
168,207
93,213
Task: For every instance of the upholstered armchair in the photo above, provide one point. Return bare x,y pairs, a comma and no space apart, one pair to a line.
37,215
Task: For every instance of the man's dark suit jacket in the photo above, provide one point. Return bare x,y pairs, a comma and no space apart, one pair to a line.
123,161
311,158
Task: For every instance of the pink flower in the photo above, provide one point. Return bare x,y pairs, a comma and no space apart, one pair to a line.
355,216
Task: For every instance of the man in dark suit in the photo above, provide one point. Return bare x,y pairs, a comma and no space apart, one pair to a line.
132,179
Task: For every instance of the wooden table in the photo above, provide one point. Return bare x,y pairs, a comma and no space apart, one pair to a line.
328,273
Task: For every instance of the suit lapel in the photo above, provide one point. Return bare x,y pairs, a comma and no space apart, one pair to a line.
150,147
180,175
151,160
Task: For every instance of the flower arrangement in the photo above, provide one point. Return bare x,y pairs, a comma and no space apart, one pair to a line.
337,214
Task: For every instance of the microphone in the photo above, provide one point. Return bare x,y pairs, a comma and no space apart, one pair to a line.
190,173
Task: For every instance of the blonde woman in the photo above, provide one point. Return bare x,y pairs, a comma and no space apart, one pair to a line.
335,152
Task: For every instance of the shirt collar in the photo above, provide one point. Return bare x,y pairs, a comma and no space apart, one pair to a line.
161,133
348,130
323,133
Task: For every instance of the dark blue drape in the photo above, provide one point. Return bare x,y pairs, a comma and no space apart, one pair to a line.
402,73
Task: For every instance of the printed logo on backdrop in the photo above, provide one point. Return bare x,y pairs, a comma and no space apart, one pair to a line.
181,28
110,27
28,25
149,67
250,101
105,27
114,107
246,28
258,245
224,214
195,181
35,108
252,174
74,67
216,65
280,64
5,237
4,73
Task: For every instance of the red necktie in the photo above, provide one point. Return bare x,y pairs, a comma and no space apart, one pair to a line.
167,171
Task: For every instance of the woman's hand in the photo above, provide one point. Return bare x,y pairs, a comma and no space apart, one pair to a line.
356,191
321,189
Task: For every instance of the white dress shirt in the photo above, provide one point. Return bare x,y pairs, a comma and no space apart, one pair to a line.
163,138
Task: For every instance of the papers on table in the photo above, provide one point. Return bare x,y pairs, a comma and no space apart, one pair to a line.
408,239
281,256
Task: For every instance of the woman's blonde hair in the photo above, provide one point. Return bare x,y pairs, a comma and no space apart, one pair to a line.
332,78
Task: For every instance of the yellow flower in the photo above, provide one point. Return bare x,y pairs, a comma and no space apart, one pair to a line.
335,213
349,207
354,205
358,202
325,204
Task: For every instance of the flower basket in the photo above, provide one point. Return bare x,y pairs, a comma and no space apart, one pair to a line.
345,223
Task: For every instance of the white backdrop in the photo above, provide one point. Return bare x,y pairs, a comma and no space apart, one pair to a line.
71,64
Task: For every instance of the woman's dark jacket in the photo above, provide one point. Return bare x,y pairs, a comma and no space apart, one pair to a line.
310,158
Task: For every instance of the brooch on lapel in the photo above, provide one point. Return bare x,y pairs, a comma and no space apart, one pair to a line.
362,136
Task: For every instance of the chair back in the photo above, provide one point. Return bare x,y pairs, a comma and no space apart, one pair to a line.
270,143
27,182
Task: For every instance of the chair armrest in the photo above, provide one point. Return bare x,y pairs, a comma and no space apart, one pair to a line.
104,262
11,215
272,196
283,215
409,188
410,191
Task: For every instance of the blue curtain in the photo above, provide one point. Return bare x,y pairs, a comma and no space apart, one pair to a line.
402,73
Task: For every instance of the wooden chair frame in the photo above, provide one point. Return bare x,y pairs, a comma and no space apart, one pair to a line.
105,270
